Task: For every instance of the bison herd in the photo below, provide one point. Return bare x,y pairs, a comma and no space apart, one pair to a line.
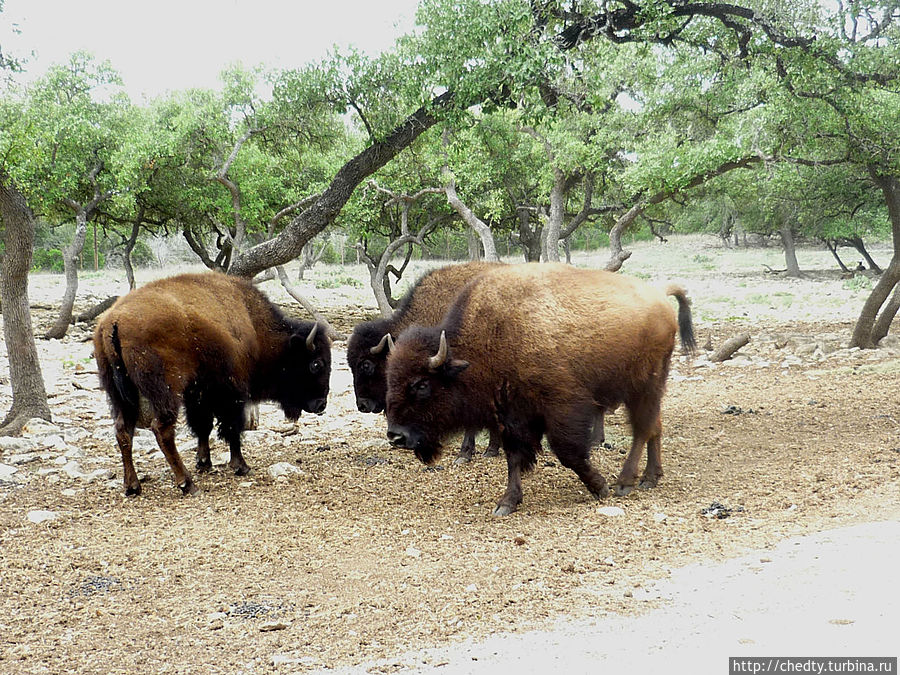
524,351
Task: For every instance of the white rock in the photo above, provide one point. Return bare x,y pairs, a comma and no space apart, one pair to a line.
24,458
16,444
99,475
283,469
39,516
611,511
53,441
73,470
39,427
413,552
660,517
6,471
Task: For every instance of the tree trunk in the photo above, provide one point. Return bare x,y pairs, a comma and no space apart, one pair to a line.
863,331
832,245
70,261
883,323
790,251
557,210
474,244
28,392
528,237
857,243
478,226
129,247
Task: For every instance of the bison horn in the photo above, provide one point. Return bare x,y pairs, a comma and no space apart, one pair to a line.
440,358
386,341
310,344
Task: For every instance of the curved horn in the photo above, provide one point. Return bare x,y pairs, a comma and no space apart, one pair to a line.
438,359
377,349
390,342
310,345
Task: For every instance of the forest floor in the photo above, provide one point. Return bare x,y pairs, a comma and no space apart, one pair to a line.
338,551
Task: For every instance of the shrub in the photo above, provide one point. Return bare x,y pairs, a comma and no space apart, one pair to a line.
47,260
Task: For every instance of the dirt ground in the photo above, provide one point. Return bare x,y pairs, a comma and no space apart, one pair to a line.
338,550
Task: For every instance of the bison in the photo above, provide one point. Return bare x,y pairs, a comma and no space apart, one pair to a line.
212,343
535,349
425,303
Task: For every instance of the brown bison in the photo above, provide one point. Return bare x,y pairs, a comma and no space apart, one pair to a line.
212,343
534,349
424,304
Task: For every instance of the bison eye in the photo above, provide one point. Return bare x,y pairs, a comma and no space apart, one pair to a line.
421,389
367,367
316,366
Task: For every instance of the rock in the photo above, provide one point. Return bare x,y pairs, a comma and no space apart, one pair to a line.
660,517
6,471
283,469
73,470
53,442
413,552
38,427
611,511
39,516
25,458
98,475
14,444
273,625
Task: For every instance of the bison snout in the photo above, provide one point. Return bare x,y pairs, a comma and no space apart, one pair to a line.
317,405
368,405
399,437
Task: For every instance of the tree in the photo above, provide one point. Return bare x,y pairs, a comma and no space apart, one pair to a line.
17,232
17,227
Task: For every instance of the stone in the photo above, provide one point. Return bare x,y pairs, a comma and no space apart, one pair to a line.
14,444
40,516
611,511
73,470
6,471
38,427
283,469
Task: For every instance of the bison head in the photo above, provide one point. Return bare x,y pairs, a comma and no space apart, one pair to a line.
425,395
305,370
367,353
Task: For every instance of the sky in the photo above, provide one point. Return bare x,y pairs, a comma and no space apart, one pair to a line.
167,45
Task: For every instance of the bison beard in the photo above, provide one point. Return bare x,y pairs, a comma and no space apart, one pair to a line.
212,344
533,350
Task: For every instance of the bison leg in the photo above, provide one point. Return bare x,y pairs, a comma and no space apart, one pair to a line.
645,424
466,449
231,423
493,448
511,499
571,444
598,434
654,471
164,430
124,423
200,420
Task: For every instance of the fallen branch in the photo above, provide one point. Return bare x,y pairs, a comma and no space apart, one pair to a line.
729,347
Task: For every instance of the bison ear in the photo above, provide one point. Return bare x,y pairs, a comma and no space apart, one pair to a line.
454,367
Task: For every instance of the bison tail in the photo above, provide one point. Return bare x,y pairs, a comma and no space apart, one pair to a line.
124,384
685,322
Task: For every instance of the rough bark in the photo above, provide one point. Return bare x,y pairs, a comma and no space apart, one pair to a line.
70,261
529,237
863,333
883,323
482,229
28,391
832,245
727,349
790,251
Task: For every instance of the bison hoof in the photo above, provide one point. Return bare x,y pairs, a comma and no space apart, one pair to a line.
188,488
624,490
462,459
204,466
647,484
603,492
503,510
241,470
132,490
492,452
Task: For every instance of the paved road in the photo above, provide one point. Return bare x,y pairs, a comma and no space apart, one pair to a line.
834,593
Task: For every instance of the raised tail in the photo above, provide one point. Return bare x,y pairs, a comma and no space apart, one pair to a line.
685,322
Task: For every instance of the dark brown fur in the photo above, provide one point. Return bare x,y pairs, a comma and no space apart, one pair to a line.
211,343
426,303
533,350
